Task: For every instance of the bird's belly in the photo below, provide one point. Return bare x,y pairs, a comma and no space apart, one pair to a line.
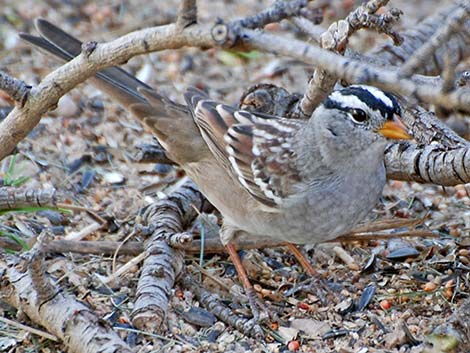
315,216
324,214
330,218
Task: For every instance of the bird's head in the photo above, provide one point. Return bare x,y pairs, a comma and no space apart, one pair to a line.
358,116
367,108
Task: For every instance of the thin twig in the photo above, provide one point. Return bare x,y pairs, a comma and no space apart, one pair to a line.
93,227
280,10
335,39
29,329
212,245
125,268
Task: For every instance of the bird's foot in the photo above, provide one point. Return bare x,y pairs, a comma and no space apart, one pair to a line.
260,311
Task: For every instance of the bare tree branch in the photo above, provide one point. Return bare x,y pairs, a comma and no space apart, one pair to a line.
353,71
449,166
163,263
46,94
18,90
213,304
280,10
418,35
212,244
415,37
26,287
452,26
364,17
11,197
427,129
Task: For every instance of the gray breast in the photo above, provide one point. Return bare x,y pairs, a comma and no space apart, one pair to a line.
326,211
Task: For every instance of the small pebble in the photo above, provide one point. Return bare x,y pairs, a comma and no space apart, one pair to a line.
385,304
293,346
287,333
430,287
402,254
66,107
200,317
114,178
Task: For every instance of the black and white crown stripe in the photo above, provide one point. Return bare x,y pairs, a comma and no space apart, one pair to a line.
364,97
379,94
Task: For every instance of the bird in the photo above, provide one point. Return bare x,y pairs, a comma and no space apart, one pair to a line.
298,181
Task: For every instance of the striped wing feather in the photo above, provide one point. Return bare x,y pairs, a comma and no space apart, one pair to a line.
254,148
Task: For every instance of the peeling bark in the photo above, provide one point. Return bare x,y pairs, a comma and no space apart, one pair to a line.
11,198
417,36
163,263
25,285
434,164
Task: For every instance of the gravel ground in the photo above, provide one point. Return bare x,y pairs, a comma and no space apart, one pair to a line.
83,148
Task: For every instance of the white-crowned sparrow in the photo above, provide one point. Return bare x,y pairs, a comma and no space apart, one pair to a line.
302,181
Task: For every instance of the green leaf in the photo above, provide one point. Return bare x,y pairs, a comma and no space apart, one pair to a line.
34,209
16,239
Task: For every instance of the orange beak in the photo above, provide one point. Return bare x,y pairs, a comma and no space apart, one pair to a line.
395,129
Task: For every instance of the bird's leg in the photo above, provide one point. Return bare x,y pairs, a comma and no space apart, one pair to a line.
250,292
303,261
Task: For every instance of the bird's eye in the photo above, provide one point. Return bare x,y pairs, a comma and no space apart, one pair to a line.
358,115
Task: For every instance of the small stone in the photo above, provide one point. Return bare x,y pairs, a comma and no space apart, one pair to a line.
395,339
287,333
293,346
385,304
200,317
114,178
312,328
430,287
66,107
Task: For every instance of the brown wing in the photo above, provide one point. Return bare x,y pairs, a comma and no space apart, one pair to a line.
254,148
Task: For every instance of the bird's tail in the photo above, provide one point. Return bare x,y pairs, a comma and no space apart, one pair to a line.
166,119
